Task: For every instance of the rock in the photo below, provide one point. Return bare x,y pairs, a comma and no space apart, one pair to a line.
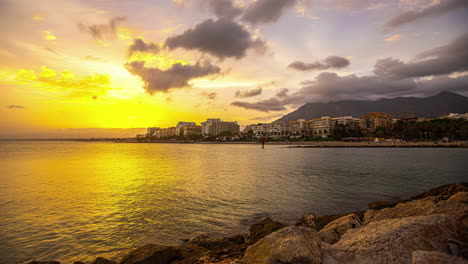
427,257
459,197
264,228
318,222
152,254
292,244
101,260
44,262
212,244
382,205
307,220
392,240
444,190
426,206
334,230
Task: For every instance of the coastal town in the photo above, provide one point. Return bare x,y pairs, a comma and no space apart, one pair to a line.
374,127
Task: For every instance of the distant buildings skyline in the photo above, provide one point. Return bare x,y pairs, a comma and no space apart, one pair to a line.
317,128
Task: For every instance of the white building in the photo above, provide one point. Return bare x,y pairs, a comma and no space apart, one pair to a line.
179,127
215,126
348,121
322,127
268,130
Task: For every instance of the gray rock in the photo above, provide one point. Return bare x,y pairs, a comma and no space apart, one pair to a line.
427,206
334,230
429,257
264,228
392,240
292,244
152,254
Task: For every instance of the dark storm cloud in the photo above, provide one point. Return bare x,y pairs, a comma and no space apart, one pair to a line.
442,60
103,31
139,45
433,11
221,38
178,76
329,62
249,93
272,104
15,106
224,9
266,11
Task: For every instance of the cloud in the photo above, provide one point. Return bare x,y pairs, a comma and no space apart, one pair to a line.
177,76
443,68
139,45
249,93
65,82
266,118
282,93
432,11
92,58
446,59
209,95
347,5
224,9
221,38
329,62
266,11
103,31
329,86
395,37
15,106
48,35
272,104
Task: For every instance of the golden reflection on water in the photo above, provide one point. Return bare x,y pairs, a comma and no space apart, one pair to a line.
74,201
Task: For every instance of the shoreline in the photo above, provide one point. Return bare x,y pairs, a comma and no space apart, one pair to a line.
328,144
430,227
290,144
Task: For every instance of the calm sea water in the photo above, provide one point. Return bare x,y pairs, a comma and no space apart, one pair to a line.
71,201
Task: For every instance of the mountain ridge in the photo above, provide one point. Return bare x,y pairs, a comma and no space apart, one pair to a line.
434,106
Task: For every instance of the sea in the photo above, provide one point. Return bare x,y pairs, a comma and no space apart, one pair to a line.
74,201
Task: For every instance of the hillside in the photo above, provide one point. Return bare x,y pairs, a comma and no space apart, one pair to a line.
429,107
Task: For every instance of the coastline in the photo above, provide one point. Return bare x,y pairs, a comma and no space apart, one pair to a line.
428,227
324,144
291,144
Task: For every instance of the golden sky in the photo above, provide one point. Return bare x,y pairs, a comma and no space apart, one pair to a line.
133,64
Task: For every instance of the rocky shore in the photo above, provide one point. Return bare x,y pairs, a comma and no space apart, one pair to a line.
431,227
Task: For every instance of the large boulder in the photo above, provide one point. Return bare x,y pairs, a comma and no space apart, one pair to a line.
152,254
334,230
384,204
292,244
264,228
428,257
101,260
444,190
318,222
426,206
392,240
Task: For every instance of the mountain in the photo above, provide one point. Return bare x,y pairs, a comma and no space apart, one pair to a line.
399,107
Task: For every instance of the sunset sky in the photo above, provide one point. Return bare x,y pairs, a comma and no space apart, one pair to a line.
96,65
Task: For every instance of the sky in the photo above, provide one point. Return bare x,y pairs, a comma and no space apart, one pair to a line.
83,68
